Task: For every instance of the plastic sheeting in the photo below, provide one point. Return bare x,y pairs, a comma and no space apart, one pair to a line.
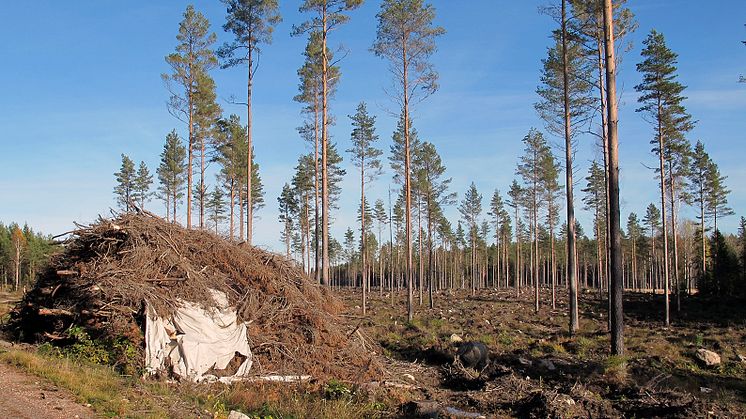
198,344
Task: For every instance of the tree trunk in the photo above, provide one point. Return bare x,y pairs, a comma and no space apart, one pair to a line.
249,157
362,233
324,155
663,213
672,188
407,186
571,246
617,280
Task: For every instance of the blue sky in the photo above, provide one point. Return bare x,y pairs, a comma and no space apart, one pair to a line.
81,85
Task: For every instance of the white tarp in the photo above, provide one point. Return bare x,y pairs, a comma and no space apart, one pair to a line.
196,342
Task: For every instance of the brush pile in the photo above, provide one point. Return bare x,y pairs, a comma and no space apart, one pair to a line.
110,269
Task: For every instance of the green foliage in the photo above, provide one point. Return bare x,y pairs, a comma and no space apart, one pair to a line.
193,57
336,390
141,185
124,190
406,38
171,173
723,278
579,70
23,249
252,23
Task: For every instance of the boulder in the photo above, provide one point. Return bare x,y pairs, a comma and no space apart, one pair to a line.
473,355
546,364
707,358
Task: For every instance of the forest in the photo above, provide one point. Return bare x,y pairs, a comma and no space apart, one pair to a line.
597,297
514,236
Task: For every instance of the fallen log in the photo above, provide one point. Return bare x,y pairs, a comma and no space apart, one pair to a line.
54,312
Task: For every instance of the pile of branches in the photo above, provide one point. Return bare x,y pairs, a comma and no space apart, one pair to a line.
111,268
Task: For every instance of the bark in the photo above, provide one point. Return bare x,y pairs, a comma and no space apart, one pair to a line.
571,246
617,280
407,187
661,149
324,145
362,231
249,159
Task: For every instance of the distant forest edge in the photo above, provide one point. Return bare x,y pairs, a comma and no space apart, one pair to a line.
23,253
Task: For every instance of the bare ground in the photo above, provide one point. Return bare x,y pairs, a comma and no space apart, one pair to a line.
538,370
27,396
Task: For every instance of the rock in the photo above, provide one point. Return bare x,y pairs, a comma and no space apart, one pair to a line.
455,338
708,358
237,415
525,362
473,355
705,390
546,364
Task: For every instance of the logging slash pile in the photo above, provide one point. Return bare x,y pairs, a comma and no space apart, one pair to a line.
108,270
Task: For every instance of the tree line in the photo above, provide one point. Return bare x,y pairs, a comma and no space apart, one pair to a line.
23,253
519,239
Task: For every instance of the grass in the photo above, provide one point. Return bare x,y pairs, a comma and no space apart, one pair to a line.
114,395
615,368
108,393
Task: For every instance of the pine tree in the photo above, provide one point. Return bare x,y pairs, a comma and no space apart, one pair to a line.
171,173
661,101
366,157
381,217
303,186
215,205
698,190
652,220
595,201
634,234
252,23
142,182
497,211
125,188
565,105
432,187
551,192
516,195
193,59
206,115
257,190
529,169
310,89
471,209
288,207
406,38
328,15
717,195
230,154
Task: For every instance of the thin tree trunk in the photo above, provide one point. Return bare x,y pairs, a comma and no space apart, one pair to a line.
232,200
571,247
616,280
249,157
407,185
324,154
363,251
663,214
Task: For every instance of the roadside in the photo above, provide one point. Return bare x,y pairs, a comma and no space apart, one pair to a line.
27,396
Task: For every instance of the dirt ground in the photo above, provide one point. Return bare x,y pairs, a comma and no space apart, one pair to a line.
29,397
537,370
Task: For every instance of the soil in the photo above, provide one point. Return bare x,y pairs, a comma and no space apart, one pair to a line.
29,397
537,370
